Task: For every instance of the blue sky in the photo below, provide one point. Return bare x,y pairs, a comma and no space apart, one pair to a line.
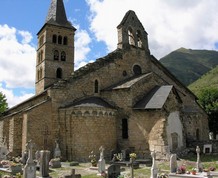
170,24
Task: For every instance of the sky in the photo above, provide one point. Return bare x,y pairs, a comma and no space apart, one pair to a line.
170,24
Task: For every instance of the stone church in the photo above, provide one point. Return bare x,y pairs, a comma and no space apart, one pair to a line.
124,100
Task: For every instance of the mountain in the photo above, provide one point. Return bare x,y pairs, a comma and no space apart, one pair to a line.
188,65
210,79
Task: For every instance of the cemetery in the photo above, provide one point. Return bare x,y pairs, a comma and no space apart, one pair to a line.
43,164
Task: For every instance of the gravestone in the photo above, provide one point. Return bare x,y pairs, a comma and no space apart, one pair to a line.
199,166
37,159
113,171
73,175
44,163
24,157
101,161
3,153
57,151
29,170
154,169
173,163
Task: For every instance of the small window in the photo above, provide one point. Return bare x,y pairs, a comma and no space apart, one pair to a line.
96,86
125,134
137,70
54,38
65,40
59,73
63,56
59,39
56,55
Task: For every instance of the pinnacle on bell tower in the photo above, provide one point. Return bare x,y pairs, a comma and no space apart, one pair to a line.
55,52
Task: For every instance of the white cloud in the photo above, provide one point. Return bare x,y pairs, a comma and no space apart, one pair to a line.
17,63
170,24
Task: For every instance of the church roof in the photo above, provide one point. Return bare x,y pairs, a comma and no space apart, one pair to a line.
57,15
155,99
88,102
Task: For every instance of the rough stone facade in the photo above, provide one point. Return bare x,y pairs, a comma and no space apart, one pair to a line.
125,100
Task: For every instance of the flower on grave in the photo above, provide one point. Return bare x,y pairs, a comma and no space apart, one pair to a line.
181,169
132,155
212,168
13,164
162,175
92,158
103,174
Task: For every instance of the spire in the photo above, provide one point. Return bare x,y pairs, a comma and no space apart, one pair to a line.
56,14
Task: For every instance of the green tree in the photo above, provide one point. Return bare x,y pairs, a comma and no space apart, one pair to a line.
3,103
208,99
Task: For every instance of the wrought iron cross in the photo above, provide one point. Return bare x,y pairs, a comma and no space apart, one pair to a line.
45,133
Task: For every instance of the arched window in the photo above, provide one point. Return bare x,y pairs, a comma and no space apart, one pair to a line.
96,86
41,55
137,70
41,40
59,39
65,40
197,134
131,37
125,134
59,73
56,55
54,38
63,56
139,39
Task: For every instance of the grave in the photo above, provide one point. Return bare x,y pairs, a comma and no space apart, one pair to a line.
73,175
113,171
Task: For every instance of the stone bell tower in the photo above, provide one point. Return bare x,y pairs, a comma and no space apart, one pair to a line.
131,33
55,52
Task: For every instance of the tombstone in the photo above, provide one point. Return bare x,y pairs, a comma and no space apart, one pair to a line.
199,166
37,159
101,161
113,171
44,163
154,169
211,135
125,154
57,151
24,157
3,153
173,163
29,170
73,175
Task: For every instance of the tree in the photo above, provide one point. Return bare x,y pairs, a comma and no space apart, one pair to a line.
208,99
3,103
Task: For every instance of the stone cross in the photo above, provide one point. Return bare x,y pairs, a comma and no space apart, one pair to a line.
154,169
45,133
29,170
101,149
199,166
173,163
101,161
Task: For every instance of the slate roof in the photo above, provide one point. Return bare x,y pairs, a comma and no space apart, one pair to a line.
130,82
88,102
155,99
57,15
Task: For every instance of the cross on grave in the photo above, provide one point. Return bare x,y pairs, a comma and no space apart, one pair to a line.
45,134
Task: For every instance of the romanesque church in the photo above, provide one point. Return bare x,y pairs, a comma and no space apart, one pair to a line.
124,100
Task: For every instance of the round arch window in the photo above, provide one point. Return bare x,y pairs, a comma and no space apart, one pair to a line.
137,70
